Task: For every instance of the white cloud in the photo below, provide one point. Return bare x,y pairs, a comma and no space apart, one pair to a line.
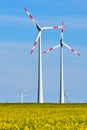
72,21
12,19
76,21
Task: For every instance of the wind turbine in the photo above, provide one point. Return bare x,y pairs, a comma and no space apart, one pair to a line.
38,39
62,43
21,97
22,94
66,97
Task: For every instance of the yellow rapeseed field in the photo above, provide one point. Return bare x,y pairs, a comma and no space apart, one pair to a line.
43,116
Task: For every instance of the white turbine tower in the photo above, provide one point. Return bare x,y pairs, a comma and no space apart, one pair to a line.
22,94
61,61
40,29
66,97
21,97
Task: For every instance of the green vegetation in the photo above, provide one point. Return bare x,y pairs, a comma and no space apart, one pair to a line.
43,116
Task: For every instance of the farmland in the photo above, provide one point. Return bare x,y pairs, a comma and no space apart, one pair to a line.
43,116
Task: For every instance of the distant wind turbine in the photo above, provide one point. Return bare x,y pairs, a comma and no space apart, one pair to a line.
22,97
66,97
40,29
62,43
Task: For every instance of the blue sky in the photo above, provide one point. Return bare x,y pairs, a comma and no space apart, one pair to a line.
18,69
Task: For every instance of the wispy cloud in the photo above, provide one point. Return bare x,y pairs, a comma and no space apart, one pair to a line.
13,44
12,18
76,21
72,21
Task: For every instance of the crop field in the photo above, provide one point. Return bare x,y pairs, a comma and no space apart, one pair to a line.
43,116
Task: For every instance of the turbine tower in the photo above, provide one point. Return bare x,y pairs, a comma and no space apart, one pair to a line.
66,97
61,61
38,39
21,97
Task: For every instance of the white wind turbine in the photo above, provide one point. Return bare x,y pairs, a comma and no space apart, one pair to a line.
40,29
61,61
22,94
66,97
21,97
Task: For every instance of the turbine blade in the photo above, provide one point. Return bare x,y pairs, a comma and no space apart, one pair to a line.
33,20
63,27
52,27
62,31
51,49
35,43
74,51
